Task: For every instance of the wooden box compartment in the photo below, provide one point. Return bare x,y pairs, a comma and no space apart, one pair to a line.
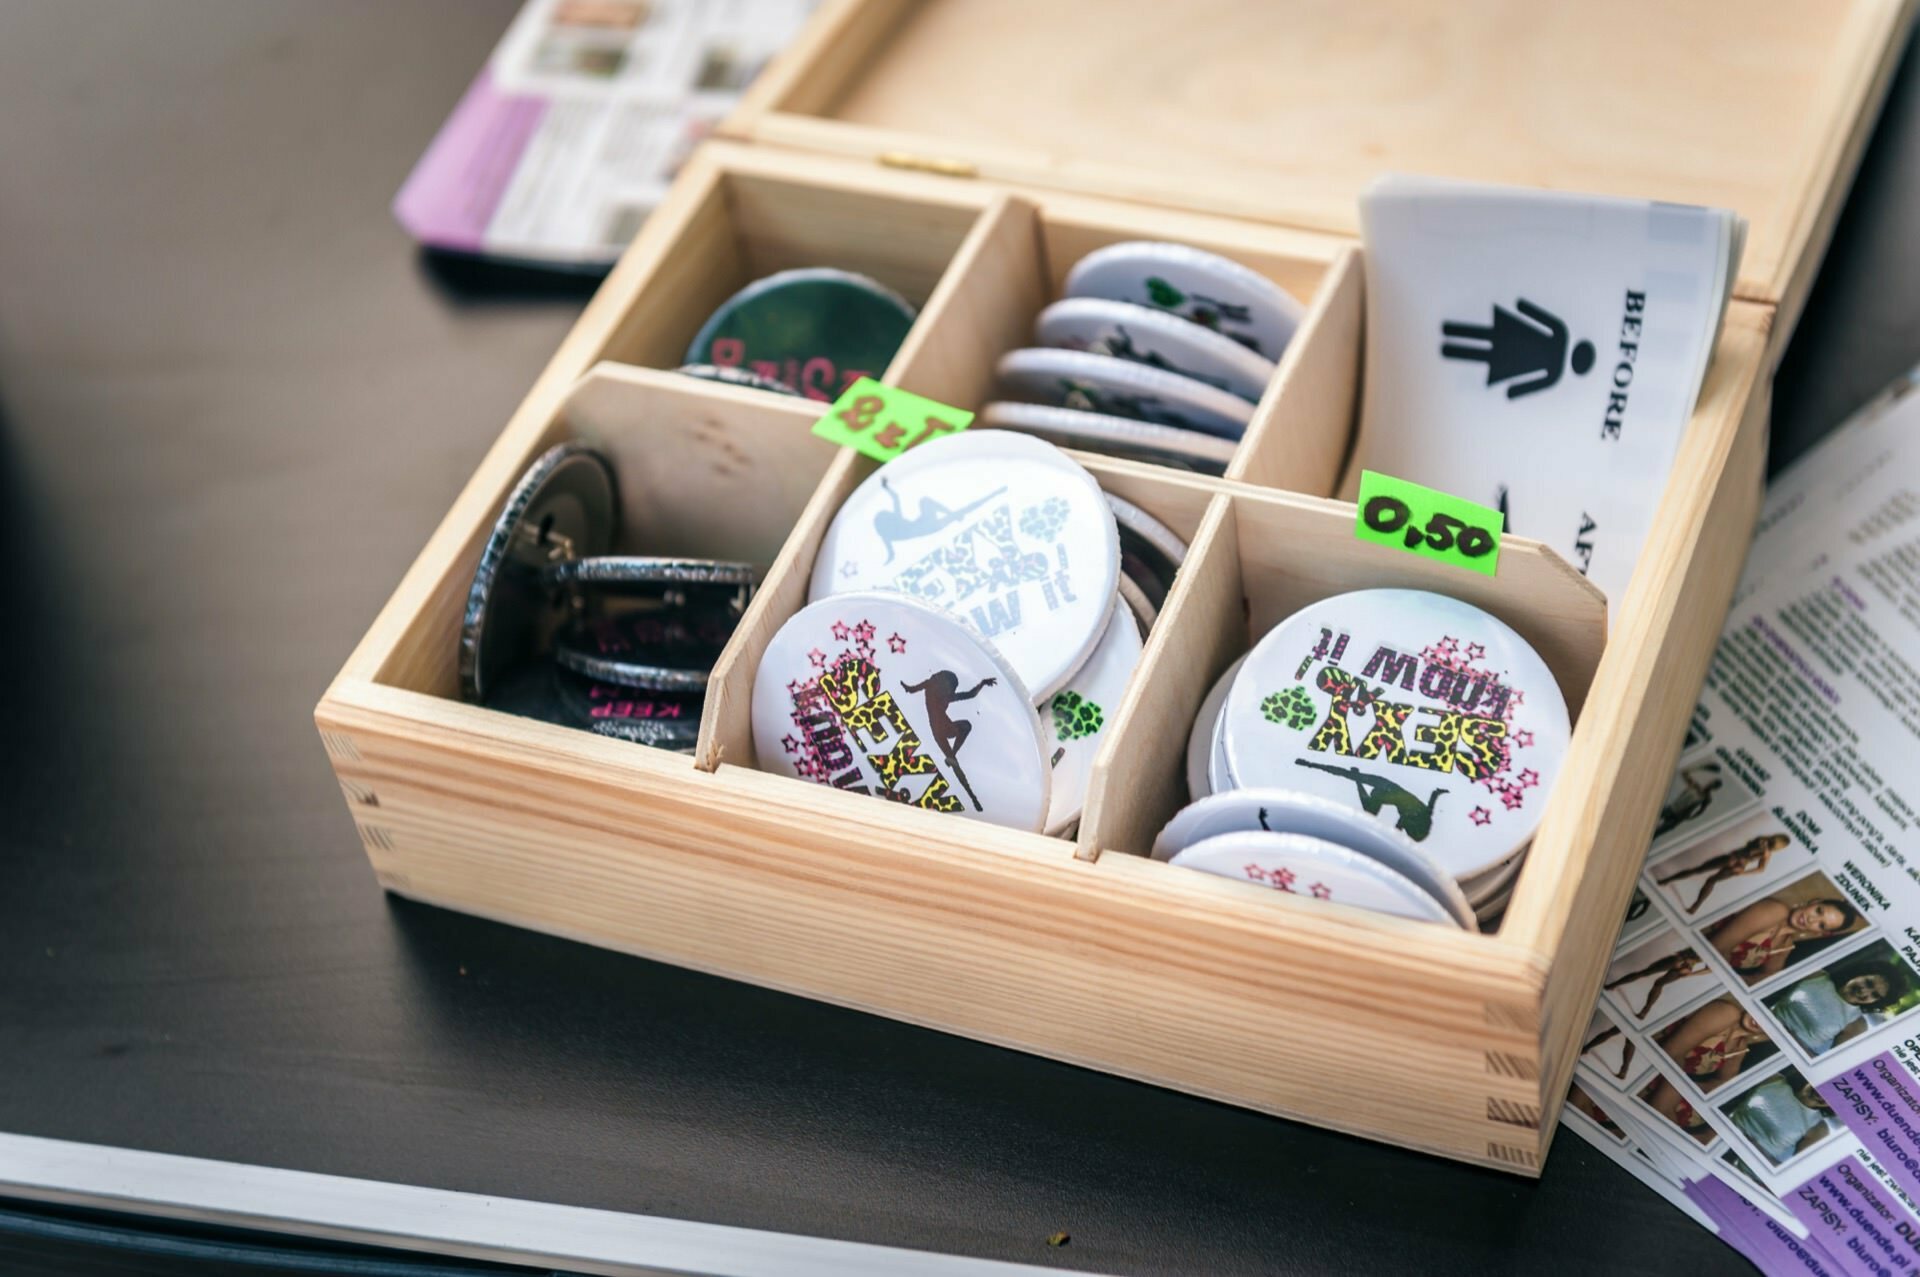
1090,951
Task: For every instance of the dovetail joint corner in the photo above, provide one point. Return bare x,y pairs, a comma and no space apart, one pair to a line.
1513,1113
1513,1155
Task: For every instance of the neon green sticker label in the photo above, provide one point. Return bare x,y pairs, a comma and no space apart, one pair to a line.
1425,521
885,421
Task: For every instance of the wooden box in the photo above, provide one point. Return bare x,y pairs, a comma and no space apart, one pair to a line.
967,152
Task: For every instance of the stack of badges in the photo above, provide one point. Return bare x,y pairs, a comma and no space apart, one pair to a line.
811,332
1158,353
1422,716
559,629
978,590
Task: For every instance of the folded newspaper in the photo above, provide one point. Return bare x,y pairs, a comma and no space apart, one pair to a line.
1756,1052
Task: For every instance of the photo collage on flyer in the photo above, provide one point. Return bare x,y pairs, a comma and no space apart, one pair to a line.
1760,1018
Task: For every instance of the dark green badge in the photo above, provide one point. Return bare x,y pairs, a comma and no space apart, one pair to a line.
817,330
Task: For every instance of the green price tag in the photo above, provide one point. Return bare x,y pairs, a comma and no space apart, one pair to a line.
884,421
1425,521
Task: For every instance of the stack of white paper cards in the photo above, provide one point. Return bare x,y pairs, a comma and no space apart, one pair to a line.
1759,1028
1540,352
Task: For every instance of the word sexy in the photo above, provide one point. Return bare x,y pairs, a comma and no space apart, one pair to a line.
849,696
1456,739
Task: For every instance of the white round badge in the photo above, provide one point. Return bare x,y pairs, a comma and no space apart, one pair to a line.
1003,529
1103,384
1219,774
1482,887
1113,436
1157,339
1286,812
1155,534
879,694
1312,868
1204,287
1135,600
1200,739
1423,711
1079,713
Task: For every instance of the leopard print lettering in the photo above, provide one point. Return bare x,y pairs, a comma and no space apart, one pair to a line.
1483,746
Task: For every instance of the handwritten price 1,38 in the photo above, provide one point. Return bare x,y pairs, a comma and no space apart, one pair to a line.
869,418
1428,522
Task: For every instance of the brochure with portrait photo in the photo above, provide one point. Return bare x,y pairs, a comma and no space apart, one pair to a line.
1763,1025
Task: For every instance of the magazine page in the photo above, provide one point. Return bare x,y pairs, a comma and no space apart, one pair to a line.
1773,980
571,133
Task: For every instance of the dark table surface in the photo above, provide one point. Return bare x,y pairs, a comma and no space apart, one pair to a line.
234,401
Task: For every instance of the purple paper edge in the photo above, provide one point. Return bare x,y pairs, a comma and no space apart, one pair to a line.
450,197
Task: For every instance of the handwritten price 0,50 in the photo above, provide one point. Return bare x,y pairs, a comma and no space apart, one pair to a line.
864,411
1442,531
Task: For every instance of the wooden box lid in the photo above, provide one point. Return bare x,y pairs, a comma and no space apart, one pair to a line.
1284,110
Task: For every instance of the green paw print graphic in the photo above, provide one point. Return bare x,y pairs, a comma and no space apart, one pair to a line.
1164,294
1043,522
1074,716
1291,708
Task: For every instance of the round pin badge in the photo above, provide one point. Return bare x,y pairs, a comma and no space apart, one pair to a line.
649,731
1138,571
635,674
1490,913
1114,436
1116,388
1150,553
736,377
1144,610
1168,546
1314,869
1079,713
1219,772
1000,528
565,506
1200,286
681,638
637,570
1201,738
539,690
1495,882
1155,338
1282,811
816,330
531,689
1420,710
878,693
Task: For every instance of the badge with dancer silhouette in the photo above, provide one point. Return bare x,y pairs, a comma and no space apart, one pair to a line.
894,525
1314,869
1425,713
1412,815
1210,291
1144,335
878,694
938,692
1078,715
1000,528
